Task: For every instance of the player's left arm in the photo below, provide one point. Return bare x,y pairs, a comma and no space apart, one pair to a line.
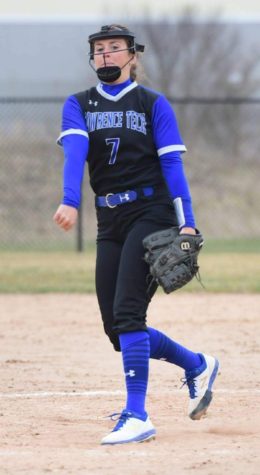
170,146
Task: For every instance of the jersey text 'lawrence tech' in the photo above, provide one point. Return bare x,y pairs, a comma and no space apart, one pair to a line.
122,154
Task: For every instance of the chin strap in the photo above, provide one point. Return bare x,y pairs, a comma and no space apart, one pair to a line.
108,73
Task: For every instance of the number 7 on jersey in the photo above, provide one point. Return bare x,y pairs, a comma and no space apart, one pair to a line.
115,145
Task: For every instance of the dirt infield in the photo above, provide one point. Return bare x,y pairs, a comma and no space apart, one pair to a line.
60,378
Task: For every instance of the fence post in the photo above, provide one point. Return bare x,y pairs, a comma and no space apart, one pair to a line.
80,230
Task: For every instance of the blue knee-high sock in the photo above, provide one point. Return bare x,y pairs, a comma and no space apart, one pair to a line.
135,347
163,348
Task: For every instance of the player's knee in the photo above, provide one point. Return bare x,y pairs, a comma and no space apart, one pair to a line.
113,337
115,342
134,322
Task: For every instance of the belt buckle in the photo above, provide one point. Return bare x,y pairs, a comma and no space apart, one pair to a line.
107,202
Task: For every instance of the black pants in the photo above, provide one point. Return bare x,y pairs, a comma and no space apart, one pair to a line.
122,276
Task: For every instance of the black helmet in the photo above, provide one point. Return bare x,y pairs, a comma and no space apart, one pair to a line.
114,31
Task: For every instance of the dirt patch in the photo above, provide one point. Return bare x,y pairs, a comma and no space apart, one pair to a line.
60,378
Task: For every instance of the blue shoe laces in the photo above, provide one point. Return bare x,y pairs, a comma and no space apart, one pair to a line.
191,385
121,418
190,377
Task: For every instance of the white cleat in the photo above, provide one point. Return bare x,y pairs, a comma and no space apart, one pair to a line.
200,381
130,429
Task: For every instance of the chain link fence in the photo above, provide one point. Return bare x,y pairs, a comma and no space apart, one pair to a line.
222,165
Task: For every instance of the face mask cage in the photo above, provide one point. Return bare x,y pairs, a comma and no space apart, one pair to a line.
110,31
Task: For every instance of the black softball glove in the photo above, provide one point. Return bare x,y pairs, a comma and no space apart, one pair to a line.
172,257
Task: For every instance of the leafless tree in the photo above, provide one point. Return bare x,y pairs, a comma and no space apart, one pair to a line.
194,59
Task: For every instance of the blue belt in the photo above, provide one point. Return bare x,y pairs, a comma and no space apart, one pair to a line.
111,200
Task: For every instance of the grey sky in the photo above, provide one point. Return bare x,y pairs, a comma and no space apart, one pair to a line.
87,9
35,56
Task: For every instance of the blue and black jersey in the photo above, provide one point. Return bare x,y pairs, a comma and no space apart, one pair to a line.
129,136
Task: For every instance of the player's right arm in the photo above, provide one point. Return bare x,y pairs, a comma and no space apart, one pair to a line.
74,140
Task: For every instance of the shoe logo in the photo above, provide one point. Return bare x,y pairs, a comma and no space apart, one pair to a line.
130,373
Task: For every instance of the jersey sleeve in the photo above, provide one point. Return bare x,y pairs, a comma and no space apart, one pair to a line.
176,181
169,146
73,121
166,133
75,143
75,148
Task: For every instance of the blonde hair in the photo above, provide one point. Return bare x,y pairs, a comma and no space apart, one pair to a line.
137,72
134,72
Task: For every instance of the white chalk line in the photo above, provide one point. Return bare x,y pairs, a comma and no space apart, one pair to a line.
48,394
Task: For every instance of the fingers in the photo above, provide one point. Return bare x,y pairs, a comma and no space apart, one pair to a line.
188,230
63,222
65,217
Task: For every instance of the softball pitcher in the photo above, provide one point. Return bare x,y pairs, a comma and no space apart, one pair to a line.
129,137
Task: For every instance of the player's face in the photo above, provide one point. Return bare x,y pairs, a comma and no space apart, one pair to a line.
114,52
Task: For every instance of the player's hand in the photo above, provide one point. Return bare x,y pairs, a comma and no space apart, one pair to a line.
187,230
66,217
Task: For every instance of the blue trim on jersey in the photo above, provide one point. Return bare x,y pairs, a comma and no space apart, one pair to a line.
116,94
115,89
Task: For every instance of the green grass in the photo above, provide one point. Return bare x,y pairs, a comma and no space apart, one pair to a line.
47,272
243,246
225,266
228,272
